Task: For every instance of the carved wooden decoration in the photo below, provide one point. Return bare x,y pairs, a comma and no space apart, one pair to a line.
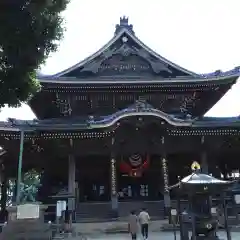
119,64
105,103
64,105
126,59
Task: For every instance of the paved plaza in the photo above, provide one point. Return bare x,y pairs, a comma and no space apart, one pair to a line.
152,236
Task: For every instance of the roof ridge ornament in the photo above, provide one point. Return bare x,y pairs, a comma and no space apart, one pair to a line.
124,24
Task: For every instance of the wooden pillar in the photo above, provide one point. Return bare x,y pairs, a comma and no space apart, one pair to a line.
204,164
71,183
204,161
166,194
113,175
4,187
225,171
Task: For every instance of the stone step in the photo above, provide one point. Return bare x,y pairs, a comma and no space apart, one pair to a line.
153,208
93,210
89,211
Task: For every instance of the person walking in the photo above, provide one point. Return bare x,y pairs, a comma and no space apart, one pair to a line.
133,225
144,219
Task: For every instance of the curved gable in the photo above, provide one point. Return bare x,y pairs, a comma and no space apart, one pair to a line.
125,55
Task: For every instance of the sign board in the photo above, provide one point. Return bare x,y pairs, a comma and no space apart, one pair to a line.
237,198
213,210
173,212
28,211
61,206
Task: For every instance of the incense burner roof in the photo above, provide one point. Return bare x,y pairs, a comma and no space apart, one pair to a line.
199,183
200,178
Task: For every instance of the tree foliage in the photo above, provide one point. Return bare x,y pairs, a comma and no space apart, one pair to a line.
29,31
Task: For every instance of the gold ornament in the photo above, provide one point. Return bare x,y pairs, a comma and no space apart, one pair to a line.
195,166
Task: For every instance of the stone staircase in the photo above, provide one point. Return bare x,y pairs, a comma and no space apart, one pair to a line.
91,212
154,208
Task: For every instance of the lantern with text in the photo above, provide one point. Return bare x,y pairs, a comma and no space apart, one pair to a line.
135,165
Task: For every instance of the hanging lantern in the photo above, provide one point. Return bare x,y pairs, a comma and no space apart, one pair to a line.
135,160
135,165
124,167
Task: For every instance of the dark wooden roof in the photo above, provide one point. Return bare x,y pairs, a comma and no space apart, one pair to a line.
139,108
126,59
125,65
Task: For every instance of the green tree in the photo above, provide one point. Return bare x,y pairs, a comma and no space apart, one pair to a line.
29,31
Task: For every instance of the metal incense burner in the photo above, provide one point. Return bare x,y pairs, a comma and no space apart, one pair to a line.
201,218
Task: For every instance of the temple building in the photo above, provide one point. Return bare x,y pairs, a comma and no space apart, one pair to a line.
116,129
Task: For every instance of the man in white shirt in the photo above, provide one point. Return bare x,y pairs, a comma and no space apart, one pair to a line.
144,219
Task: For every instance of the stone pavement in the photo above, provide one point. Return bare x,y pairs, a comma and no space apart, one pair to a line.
112,227
152,236
116,227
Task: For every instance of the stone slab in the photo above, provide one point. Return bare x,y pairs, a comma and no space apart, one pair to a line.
26,229
28,211
26,222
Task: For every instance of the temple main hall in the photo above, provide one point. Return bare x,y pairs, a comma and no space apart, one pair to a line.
115,130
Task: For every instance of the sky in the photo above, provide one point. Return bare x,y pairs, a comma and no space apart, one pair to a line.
200,35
